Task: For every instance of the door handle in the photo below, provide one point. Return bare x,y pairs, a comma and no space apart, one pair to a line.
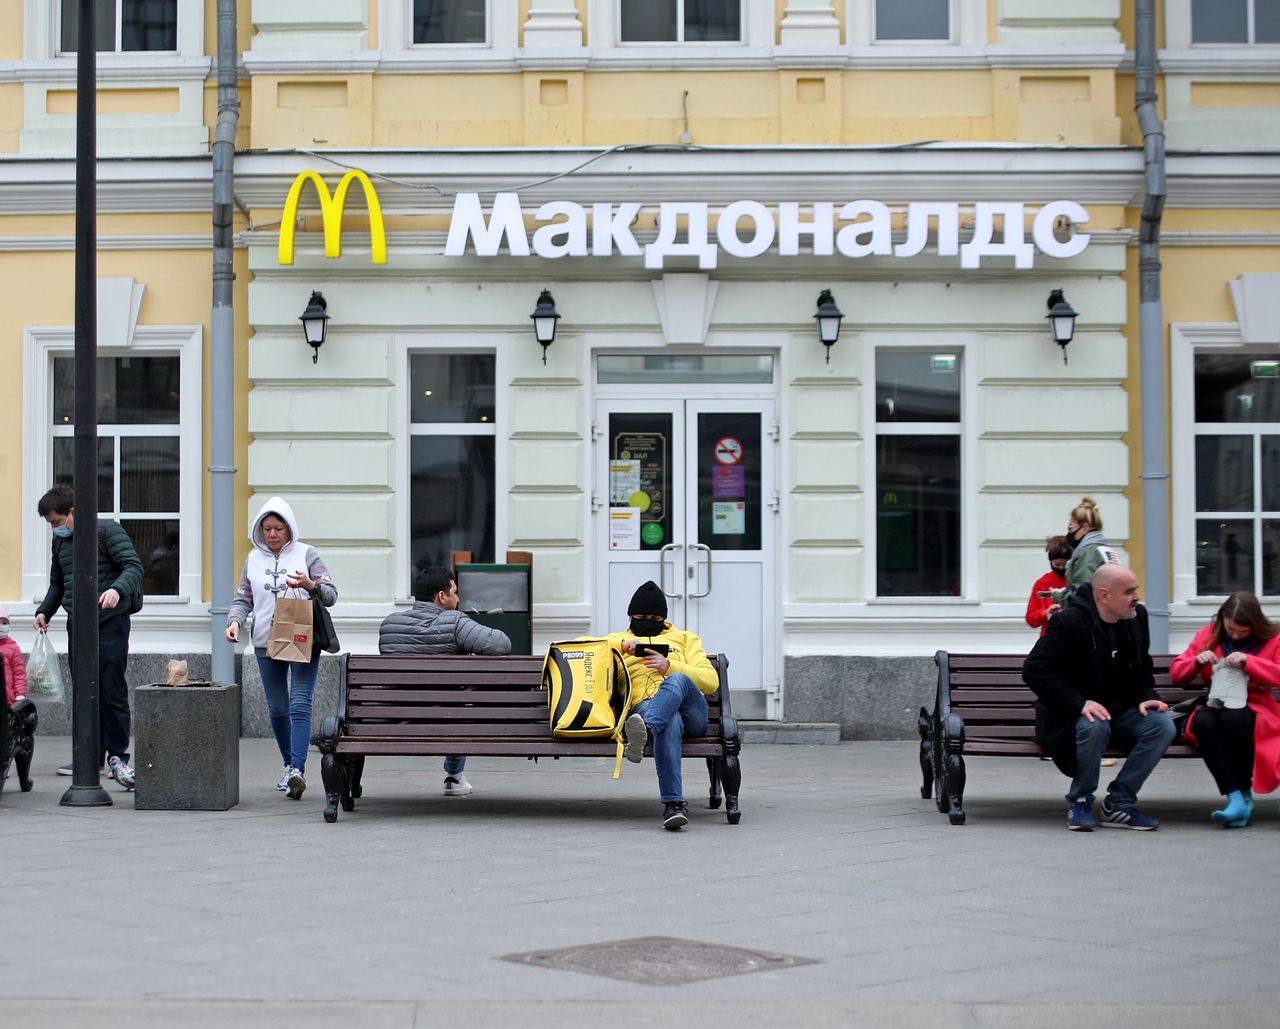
702,546
662,571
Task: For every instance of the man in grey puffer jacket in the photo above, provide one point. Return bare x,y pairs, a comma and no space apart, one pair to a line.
434,625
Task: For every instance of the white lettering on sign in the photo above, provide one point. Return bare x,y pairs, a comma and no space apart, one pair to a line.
747,228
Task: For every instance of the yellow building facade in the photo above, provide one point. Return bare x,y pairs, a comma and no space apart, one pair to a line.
684,180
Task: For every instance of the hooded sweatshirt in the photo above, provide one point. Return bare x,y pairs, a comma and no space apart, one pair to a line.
1090,554
262,580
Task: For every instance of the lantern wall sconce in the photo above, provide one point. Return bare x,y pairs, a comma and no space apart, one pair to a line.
829,318
1062,321
544,318
314,323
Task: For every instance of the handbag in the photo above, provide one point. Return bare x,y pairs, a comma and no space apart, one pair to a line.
325,637
292,630
1182,711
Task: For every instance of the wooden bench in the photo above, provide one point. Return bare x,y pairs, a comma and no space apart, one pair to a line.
411,704
983,707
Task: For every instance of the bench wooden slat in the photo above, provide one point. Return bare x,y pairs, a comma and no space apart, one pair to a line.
508,748
455,697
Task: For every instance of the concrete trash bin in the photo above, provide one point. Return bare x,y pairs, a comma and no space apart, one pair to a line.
188,747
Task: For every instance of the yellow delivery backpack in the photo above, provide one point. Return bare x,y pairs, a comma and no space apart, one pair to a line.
588,690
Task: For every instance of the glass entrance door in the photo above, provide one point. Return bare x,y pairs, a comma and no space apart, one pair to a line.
685,497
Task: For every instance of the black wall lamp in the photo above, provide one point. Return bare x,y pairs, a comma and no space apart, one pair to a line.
314,322
1062,320
829,318
544,318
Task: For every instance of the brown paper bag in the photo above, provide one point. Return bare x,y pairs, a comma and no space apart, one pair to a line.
176,673
291,633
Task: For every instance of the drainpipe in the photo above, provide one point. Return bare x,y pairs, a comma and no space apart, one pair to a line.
1155,472
222,580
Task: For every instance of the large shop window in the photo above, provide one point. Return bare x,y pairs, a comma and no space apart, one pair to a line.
681,21
449,21
913,20
123,25
918,543
1235,21
1237,473
139,445
451,457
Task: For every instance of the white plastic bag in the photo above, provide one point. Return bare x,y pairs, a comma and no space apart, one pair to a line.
1229,687
44,674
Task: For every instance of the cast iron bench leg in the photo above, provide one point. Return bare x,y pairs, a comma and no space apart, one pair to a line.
926,753
355,772
954,774
731,777
713,770
334,776
23,742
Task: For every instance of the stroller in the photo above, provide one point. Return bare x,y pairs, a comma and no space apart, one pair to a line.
17,739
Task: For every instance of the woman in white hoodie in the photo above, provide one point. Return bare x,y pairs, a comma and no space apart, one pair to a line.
279,561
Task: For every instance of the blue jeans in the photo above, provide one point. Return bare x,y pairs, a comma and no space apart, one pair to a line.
1146,736
677,710
290,709
454,764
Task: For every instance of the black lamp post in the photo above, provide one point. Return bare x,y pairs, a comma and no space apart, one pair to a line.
829,318
1062,321
314,323
544,318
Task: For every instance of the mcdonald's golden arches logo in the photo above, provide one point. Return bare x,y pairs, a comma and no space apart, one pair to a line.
331,215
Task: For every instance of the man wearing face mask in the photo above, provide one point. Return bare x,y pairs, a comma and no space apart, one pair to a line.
668,694
119,574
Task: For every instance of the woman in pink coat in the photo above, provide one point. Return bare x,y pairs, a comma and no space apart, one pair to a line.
1241,746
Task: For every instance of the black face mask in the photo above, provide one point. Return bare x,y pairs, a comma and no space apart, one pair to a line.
647,626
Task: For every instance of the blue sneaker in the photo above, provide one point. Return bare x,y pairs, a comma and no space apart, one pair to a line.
1080,816
1125,817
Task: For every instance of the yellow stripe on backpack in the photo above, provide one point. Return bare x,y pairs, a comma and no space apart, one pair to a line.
588,690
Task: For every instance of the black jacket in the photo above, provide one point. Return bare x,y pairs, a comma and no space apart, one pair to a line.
1066,667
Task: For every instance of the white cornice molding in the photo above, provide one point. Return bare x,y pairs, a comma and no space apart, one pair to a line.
47,186
427,180
1218,239
1235,61
427,60
178,241
111,68
1224,180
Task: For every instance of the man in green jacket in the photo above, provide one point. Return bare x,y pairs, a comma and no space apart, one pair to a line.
119,574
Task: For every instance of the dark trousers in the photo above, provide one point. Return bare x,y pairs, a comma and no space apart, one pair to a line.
113,687
1225,736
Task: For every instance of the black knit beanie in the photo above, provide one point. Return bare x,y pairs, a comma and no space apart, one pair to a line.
648,600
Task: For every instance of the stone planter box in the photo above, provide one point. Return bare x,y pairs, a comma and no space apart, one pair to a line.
187,740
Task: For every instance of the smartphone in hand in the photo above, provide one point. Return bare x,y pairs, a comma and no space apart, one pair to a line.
652,648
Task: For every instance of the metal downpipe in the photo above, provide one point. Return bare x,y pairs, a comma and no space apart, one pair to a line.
1151,340
222,578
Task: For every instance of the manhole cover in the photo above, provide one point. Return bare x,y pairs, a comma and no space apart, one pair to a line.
658,960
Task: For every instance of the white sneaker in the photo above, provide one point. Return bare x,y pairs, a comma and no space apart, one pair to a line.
120,772
457,786
283,784
296,784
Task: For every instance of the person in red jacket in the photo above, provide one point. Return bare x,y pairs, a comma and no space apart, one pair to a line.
15,672
1241,746
1040,606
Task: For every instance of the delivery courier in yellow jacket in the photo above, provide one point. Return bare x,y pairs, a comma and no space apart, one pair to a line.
671,679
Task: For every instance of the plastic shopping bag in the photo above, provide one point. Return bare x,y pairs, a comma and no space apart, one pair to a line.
44,674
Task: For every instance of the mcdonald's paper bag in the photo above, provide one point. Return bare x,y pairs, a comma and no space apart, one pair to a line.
291,633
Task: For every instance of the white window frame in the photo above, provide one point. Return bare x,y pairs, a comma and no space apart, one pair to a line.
947,40
406,346
41,40
743,16
604,32
1186,341
395,30
40,345
966,19
57,29
965,346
